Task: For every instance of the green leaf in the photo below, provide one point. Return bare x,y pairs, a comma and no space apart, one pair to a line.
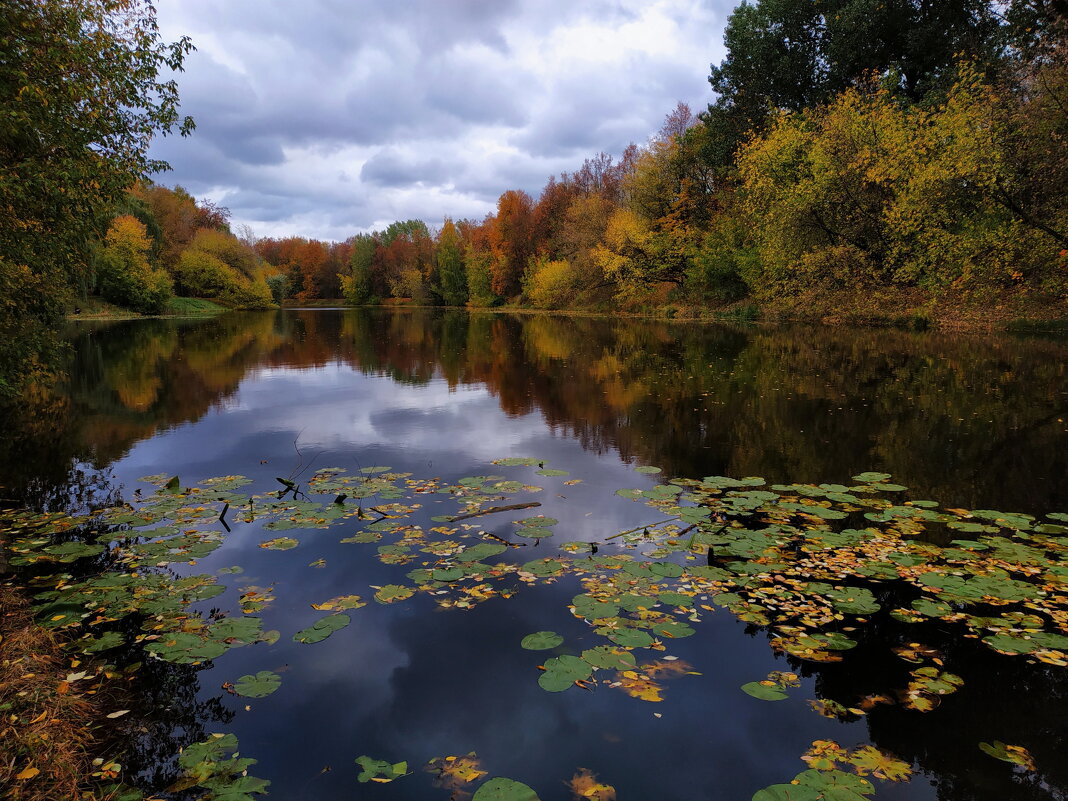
259,685
787,792
109,639
501,789
592,609
648,469
392,593
765,692
562,672
447,574
379,770
541,641
871,477
631,638
322,628
609,658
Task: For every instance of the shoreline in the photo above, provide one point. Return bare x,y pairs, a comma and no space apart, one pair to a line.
906,311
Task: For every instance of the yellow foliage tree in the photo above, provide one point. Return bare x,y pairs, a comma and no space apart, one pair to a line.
123,272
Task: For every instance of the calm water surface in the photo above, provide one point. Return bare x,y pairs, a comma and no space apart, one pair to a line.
975,422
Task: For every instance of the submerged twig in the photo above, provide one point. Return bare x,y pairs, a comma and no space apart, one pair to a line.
646,526
492,510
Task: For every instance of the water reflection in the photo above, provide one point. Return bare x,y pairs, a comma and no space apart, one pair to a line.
969,421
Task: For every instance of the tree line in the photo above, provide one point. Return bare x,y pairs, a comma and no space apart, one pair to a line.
907,144
852,144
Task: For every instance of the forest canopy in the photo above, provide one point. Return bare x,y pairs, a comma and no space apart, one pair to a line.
850,144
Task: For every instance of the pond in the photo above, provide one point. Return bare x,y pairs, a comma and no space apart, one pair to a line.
362,435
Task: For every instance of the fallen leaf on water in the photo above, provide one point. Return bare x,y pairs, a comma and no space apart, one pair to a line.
584,784
871,760
1016,754
454,771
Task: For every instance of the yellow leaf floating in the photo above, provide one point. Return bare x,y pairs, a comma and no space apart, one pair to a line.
455,771
584,785
640,687
869,759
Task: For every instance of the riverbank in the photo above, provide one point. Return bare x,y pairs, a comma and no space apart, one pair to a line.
96,309
1015,312
47,740
911,309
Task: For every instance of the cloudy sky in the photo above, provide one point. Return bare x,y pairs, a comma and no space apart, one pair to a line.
327,118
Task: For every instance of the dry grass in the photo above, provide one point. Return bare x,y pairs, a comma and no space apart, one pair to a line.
44,736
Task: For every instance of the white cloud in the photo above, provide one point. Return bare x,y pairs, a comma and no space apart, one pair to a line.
331,118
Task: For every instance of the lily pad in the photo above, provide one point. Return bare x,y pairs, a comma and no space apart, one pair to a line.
765,691
541,641
502,789
259,685
378,770
322,628
392,593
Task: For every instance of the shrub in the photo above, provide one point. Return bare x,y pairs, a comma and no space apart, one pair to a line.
123,273
550,284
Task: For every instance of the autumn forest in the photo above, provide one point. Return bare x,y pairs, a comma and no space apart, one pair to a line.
851,147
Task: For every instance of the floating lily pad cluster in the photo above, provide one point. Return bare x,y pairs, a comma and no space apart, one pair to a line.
809,563
216,766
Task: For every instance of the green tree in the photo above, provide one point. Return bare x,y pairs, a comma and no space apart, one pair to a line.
450,263
356,284
81,96
279,286
123,273
794,54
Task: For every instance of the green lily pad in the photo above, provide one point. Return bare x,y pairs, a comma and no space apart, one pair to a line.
534,522
765,692
871,477
561,672
543,567
609,658
648,469
378,770
787,792
592,609
541,641
853,601
502,789
93,645
259,685
1015,755
322,628
631,638
666,569
392,593
480,551
447,574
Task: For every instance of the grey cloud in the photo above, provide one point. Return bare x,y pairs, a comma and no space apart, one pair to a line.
280,94
392,169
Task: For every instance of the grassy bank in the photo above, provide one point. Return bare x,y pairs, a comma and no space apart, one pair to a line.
905,308
96,309
1016,312
314,303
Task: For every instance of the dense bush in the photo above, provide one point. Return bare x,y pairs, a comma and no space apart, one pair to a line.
123,273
